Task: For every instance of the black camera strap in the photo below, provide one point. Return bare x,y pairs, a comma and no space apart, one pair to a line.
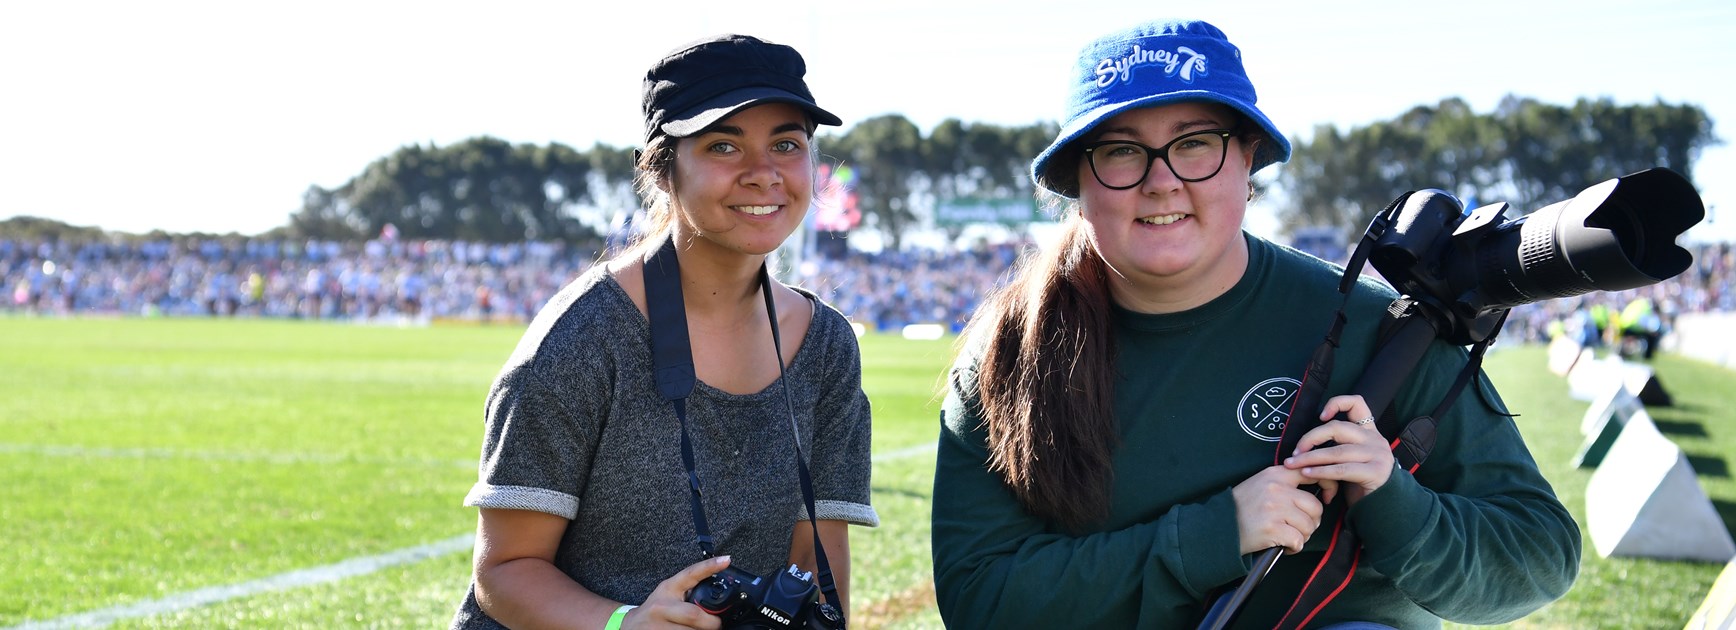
1411,440
1404,335
672,363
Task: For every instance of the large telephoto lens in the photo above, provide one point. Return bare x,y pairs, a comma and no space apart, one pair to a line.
1616,235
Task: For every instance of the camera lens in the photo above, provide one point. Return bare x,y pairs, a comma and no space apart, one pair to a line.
1617,235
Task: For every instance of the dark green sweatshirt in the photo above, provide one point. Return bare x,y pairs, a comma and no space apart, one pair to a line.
1476,535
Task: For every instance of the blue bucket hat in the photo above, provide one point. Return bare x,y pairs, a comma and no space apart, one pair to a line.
1156,63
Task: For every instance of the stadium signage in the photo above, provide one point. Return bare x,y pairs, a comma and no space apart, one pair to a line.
965,210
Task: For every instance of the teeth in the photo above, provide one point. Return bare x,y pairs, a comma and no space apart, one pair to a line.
757,210
1163,220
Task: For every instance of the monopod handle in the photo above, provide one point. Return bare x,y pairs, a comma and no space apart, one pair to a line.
1224,609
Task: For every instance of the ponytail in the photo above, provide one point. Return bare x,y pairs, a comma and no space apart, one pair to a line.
1046,382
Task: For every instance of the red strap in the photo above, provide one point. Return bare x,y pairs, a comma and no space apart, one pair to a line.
1334,571
1343,551
1354,560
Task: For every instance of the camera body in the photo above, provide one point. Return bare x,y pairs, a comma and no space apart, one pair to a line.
1473,266
746,601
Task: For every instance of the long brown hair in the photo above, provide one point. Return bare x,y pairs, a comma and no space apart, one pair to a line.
1047,375
1046,381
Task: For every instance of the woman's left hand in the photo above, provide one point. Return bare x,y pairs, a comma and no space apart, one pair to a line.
1360,457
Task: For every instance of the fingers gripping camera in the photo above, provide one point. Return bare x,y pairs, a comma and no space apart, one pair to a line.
746,601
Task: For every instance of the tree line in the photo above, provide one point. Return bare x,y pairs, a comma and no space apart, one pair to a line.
1525,152
486,189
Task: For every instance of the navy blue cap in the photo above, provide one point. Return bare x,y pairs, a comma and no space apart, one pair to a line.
708,80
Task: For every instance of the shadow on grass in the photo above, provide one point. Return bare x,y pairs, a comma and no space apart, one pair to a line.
1678,428
1688,407
1726,512
1709,466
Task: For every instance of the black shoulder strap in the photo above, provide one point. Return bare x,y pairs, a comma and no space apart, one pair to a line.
1411,441
827,585
1411,444
1402,339
672,363
671,349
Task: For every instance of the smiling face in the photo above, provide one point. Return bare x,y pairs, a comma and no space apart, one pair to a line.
1170,245
743,185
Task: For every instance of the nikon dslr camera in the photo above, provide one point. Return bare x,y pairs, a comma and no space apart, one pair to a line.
746,601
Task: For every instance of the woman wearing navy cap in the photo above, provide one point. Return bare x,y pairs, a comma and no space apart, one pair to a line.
586,512
1107,447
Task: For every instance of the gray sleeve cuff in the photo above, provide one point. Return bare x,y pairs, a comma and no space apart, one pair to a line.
853,513
560,504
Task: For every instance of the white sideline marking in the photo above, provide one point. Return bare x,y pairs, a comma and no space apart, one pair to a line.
299,458
282,581
226,456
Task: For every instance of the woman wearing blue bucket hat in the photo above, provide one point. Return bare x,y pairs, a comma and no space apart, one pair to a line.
1107,448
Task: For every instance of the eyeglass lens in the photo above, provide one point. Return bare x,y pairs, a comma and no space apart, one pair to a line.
1192,157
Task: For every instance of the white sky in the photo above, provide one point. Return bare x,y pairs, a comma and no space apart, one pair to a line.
217,116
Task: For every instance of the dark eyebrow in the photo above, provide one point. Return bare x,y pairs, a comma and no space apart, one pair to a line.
737,131
1177,129
1191,125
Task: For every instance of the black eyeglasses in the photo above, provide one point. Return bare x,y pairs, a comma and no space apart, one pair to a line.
1193,157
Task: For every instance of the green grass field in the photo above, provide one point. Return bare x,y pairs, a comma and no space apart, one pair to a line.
142,460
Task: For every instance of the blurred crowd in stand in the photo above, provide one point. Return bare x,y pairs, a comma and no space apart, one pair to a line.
1634,321
892,289
380,280
393,281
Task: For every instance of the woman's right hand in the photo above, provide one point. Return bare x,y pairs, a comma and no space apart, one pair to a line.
667,606
1273,511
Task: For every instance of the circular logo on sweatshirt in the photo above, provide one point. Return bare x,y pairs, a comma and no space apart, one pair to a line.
1266,408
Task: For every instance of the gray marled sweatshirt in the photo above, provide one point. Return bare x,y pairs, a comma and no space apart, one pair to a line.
575,428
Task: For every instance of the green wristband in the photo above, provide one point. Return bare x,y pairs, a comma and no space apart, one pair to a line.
615,619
